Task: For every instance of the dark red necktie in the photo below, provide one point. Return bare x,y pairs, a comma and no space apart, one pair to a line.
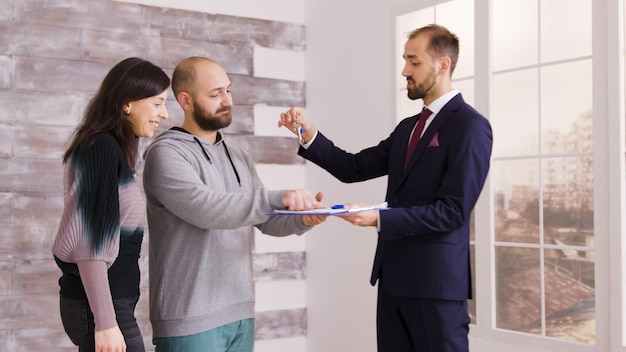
416,135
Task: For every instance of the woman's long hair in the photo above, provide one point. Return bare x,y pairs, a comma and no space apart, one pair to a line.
130,80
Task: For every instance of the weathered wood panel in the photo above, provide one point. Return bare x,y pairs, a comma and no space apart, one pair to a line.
109,16
271,150
42,108
248,90
280,323
6,10
279,266
30,175
53,75
27,39
5,71
53,56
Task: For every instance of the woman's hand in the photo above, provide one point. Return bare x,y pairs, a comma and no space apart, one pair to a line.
110,340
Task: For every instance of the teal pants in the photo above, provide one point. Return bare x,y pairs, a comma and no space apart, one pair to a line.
233,337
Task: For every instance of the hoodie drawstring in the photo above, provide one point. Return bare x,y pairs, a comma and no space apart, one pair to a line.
203,151
231,163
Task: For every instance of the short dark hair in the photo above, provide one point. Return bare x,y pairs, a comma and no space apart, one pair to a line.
130,80
442,42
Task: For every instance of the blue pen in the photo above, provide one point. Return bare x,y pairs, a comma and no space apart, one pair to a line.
337,206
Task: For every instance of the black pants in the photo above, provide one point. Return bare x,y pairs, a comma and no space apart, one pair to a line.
79,324
406,324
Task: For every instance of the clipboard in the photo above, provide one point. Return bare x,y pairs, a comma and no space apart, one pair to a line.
334,210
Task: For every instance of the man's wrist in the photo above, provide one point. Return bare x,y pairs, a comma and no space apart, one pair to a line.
308,138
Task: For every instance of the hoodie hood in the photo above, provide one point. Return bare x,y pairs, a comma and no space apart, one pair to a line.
185,140
179,134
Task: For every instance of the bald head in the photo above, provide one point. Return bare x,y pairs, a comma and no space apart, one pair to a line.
186,74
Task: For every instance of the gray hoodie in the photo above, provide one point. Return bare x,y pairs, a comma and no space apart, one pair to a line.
203,200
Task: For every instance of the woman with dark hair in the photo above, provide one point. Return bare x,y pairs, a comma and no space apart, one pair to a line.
99,238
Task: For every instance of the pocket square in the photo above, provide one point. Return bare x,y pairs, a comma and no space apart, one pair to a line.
435,141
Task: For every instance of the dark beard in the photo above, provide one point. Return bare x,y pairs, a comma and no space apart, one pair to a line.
415,93
209,122
419,91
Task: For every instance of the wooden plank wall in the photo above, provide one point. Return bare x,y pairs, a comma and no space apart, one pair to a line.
53,55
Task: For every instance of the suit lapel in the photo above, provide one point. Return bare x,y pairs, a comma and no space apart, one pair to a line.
440,120
398,152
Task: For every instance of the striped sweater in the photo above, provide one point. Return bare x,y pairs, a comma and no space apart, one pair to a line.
99,237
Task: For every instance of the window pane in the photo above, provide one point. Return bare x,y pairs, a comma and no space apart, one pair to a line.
515,33
566,121
543,169
404,25
516,185
518,279
570,295
565,37
466,88
515,113
568,201
458,17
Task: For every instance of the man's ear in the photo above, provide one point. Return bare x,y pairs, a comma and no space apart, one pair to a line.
444,64
185,100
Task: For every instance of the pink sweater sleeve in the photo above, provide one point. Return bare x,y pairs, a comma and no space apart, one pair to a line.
93,273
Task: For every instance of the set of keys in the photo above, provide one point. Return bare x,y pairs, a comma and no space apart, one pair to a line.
298,127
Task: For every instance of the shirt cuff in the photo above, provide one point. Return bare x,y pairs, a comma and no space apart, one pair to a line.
308,144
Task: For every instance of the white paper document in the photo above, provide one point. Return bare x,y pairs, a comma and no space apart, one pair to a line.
334,210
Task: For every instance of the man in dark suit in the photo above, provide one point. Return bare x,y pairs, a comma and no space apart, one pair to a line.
422,257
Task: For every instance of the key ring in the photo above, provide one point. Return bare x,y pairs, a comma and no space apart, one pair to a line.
298,127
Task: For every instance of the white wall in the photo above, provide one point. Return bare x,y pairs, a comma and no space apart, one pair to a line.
350,97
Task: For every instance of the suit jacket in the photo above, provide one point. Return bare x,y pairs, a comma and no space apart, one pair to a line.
423,243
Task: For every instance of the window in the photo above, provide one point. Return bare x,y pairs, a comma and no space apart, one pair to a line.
543,168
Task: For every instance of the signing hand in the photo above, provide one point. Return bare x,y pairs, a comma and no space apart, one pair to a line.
312,220
301,199
110,340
